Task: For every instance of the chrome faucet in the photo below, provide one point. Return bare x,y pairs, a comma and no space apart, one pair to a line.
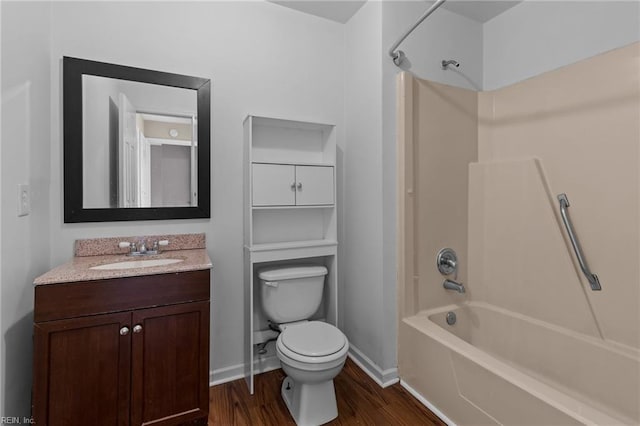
453,285
447,261
143,247
146,248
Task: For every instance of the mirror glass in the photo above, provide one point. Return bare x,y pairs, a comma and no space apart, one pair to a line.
136,143
139,144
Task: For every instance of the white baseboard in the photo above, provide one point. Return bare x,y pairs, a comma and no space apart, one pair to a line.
235,372
427,404
383,378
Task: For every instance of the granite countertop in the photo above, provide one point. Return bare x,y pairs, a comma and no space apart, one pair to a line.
79,267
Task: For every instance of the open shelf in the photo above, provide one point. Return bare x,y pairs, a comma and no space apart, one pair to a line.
292,245
292,142
297,163
319,206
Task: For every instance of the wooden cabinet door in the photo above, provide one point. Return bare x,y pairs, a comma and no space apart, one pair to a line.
273,185
314,185
170,365
82,371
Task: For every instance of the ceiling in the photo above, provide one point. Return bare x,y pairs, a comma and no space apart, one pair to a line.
479,10
342,10
339,11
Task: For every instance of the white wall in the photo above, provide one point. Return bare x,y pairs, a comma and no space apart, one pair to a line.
369,293
25,159
444,35
361,282
538,36
261,58
2,345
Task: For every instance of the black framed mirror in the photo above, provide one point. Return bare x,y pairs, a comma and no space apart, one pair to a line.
136,143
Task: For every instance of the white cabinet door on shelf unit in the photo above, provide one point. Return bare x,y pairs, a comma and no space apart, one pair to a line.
273,185
314,185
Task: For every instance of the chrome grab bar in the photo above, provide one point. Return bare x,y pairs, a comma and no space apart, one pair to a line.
592,278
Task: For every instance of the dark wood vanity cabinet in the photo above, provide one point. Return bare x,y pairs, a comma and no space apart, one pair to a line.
126,351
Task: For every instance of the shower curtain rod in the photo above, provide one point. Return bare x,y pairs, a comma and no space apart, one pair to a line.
398,56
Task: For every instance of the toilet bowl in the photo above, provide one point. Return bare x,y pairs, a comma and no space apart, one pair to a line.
311,355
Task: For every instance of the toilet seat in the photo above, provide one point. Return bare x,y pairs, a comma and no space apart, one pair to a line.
313,342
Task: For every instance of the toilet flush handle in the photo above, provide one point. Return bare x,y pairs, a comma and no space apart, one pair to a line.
271,283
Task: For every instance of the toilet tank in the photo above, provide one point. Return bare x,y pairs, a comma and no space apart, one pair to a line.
291,293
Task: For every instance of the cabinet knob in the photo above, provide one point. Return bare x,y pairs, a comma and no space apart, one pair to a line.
124,331
299,186
293,186
137,328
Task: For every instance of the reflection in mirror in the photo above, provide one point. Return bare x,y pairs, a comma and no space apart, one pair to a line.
139,144
136,143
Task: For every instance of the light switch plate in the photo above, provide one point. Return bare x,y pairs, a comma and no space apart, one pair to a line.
24,199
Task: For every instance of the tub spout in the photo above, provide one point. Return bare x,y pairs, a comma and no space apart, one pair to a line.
452,285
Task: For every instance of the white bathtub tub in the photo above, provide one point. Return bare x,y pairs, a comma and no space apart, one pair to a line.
498,367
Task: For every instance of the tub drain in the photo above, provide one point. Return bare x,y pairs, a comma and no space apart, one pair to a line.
451,318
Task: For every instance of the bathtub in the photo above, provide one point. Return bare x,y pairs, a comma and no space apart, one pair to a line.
495,366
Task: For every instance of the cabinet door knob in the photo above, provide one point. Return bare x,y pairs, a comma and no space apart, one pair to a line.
293,186
137,328
124,331
299,186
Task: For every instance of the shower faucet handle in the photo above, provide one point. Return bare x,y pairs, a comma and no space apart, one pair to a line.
447,261
450,263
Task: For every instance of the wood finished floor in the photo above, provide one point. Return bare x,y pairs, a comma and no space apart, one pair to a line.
360,402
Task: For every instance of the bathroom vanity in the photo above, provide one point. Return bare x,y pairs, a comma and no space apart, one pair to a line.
126,346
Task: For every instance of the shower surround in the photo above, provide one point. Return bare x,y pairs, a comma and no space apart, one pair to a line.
480,172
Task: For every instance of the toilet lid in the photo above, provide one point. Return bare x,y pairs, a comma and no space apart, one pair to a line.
314,338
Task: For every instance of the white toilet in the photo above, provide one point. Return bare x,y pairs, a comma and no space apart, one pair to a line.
312,353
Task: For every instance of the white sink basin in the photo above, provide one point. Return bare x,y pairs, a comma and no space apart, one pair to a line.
130,264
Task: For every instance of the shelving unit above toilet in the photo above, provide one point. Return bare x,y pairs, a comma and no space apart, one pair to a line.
290,217
290,181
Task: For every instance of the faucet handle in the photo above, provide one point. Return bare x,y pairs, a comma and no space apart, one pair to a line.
131,246
160,243
447,261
